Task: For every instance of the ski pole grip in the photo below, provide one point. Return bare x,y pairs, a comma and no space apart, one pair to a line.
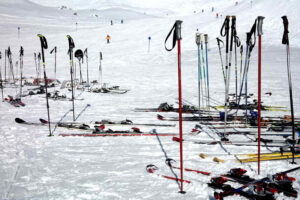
71,42
178,29
259,25
43,41
206,38
285,38
21,51
198,38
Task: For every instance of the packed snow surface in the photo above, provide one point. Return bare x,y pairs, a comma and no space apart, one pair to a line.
34,166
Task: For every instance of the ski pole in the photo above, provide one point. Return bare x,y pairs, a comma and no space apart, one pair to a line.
1,80
44,45
207,75
177,37
225,32
198,41
203,67
241,52
54,50
36,68
5,65
249,47
21,69
237,43
259,33
100,69
149,39
39,68
71,47
10,63
219,41
285,41
87,66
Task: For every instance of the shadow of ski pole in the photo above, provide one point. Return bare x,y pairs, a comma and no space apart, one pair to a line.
166,156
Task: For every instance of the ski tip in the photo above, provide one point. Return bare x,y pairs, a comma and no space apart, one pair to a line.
43,121
19,120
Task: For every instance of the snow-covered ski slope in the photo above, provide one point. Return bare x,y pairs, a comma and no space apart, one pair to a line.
34,166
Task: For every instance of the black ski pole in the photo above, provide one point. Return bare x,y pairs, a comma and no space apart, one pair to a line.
36,67
100,69
1,80
237,43
44,45
225,32
219,41
54,50
285,41
87,66
5,65
9,56
71,47
241,67
21,70
39,68
79,56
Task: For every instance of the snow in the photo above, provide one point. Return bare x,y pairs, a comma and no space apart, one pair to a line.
34,166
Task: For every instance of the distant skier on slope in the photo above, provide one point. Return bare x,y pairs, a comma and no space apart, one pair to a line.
107,38
111,22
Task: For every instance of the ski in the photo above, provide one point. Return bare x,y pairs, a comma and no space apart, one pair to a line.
152,170
15,102
197,118
114,123
269,158
107,134
269,143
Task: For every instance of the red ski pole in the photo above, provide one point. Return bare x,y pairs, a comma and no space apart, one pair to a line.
259,33
177,37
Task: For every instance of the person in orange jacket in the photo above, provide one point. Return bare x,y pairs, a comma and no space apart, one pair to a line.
107,38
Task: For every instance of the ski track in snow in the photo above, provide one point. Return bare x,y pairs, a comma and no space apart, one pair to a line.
34,166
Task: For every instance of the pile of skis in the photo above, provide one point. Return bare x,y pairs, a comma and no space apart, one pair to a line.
264,188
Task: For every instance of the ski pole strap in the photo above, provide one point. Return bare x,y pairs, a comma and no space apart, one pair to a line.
237,41
251,37
225,27
21,51
43,41
241,49
219,41
259,25
206,38
285,37
176,34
